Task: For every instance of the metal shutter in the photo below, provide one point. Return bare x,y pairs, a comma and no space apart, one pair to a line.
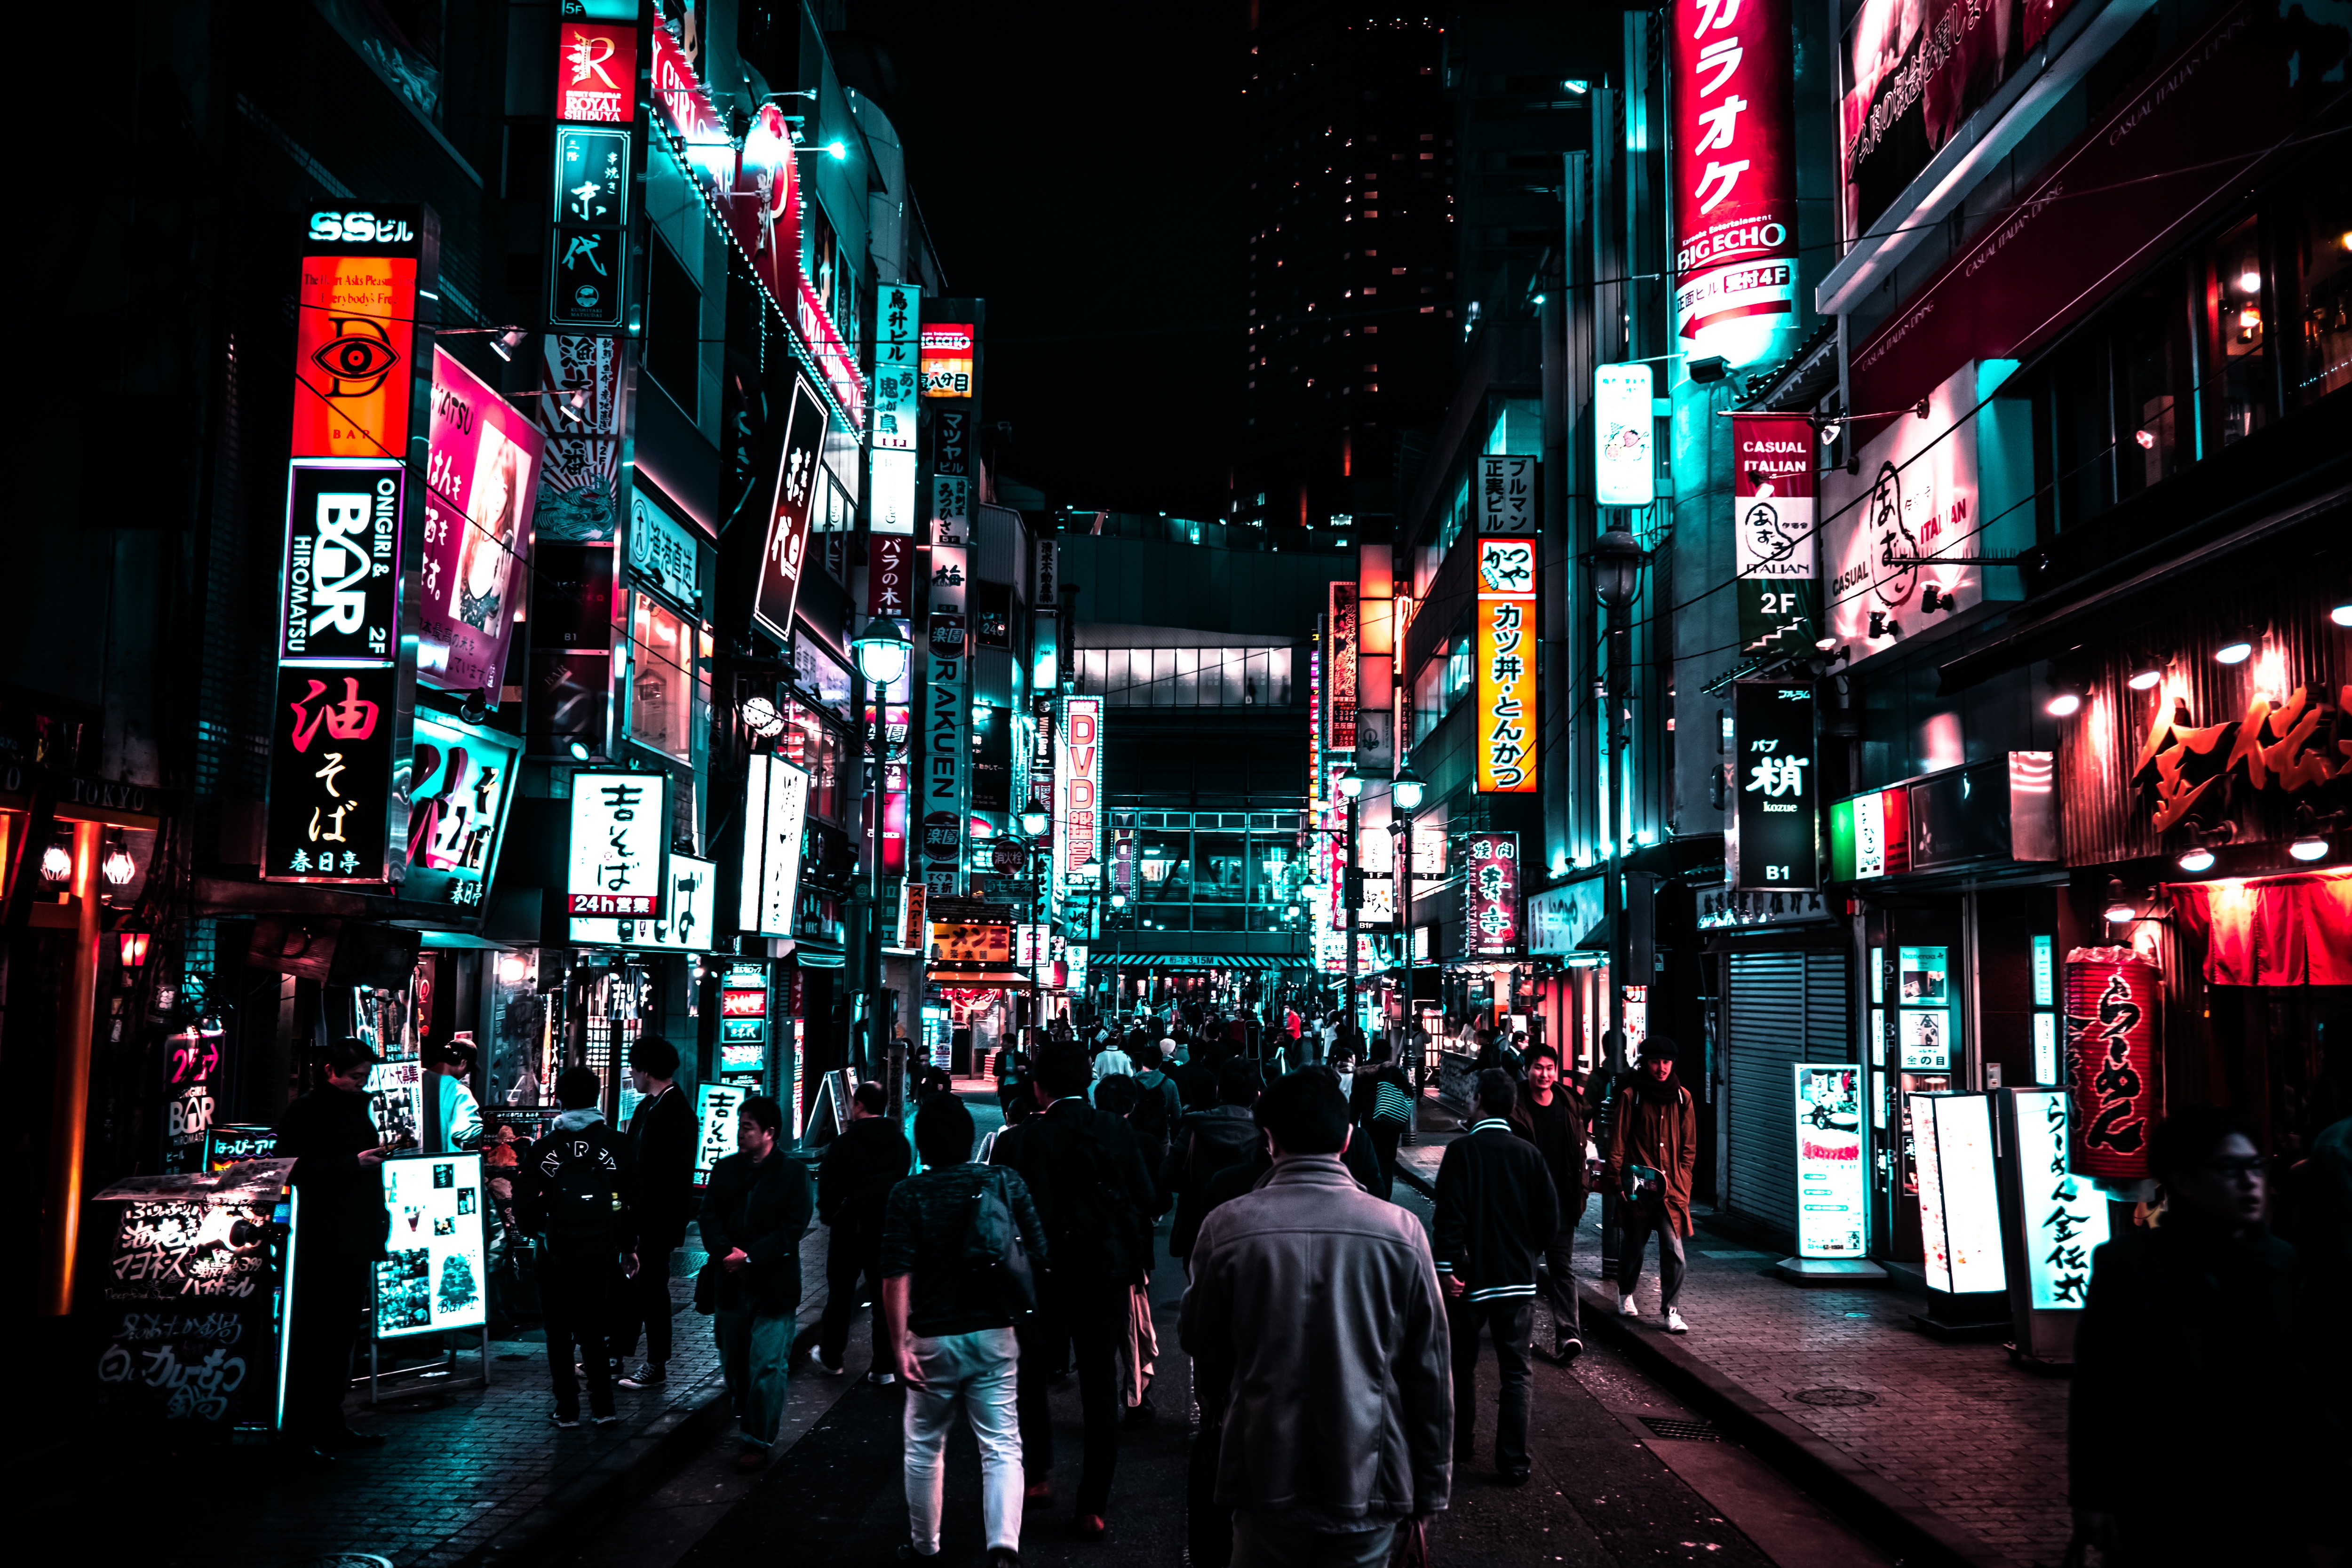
1784,1008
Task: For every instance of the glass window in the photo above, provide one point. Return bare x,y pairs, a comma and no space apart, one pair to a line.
2147,387
815,744
2323,242
1454,517
1428,699
668,683
1222,868
1163,871
2238,367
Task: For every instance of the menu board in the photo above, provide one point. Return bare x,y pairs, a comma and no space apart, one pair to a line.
1829,1161
432,1277
720,1103
192,1295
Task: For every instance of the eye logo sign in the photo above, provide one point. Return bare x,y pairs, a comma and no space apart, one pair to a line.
357,358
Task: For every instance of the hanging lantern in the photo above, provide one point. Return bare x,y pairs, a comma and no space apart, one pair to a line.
131,945
2114,1000
118,868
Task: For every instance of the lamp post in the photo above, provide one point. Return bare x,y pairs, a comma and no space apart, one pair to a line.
1405,792
1034,820
1617,563
1352,893
882,651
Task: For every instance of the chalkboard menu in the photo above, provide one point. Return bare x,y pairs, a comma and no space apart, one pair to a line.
432,1276
192,1290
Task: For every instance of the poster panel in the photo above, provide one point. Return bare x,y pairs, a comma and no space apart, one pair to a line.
432,1277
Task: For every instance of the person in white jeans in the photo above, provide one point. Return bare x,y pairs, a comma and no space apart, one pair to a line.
946,1334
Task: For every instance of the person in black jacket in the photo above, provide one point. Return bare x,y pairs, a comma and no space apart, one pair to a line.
853,1189
1496,1212
1549,1116
576,1190
339,1169
661,1142
754,1212
1085,1171
1206,1142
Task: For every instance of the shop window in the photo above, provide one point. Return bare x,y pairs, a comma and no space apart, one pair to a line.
2323,264
1162,872
668,680
1223,864
2238,366
2150,362
820,748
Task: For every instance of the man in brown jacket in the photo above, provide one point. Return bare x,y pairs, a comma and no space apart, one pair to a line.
1652,1149
1338,1423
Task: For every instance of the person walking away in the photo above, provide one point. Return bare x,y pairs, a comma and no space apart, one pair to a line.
949,1336
854,1184
576,1190
1548,1117
1155,1119
1379,1101
1652,1149
1495,1211
1094,1198
755,1210
1109,1061
1206,1142
338,1168
1330,1428
1138,1349
661,1146
2187,1361
1196,1080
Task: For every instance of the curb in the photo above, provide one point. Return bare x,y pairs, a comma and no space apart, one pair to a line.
1912,1530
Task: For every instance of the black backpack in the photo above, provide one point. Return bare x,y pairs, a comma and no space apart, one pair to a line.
580,1191
1150,1117
993,1250
1095,1218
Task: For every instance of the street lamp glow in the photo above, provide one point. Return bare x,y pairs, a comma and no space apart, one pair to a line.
1407,790
1351,782
881,650
1033,821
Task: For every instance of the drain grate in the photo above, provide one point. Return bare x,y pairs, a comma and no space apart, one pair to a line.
1682,1431
1836,1399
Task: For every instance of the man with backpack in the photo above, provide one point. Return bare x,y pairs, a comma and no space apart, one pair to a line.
576,1190
1094,1193
955,1243
1162,1106
853,1187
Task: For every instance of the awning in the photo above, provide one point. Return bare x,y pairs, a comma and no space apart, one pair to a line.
1193,961
2292,930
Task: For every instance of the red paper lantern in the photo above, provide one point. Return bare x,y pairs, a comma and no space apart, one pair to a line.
2114,1000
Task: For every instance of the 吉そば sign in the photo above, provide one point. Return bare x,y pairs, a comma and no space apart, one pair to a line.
620,840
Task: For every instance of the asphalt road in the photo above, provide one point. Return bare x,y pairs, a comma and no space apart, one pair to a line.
1609,1487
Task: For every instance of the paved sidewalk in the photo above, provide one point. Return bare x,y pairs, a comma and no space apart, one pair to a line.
1971,1447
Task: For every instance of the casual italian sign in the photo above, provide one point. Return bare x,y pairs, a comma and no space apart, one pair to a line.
1735,175
1773,532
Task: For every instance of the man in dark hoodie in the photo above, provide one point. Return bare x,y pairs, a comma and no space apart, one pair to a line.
339,1169
576,1190
1496,1212
852,1192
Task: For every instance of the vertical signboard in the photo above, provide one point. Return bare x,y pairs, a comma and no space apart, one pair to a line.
1829,1161
2114,997
338,806
1959,1203
1505,650
1773,510
1506,494
355,331
1077,782
947,732
690,914
1734,177
481,478
1895,525
1773,842
1923,1027
1625,434
717,1105
786,550
743,1024
1340,716
2064,1218
775,817
888,730
620,840
340,590
889,575
1491,898
460,782
589,273
898,323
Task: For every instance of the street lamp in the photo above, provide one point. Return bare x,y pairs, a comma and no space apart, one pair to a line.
881,651
1406,789
1617,563
1034,820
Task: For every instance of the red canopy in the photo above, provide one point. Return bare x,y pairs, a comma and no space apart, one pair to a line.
2295,930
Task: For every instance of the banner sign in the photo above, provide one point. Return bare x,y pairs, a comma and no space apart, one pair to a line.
898,323
1773,532
336,811
1491,898
1773,843
775,817
1734,176
786,553
1077,792
460,783
340,590
2065,1218
949,590
947,731
1506,494
1829,1161
1506,651
2114,1006
481,479
1625,434
620,840
889,575
1339,691
897,723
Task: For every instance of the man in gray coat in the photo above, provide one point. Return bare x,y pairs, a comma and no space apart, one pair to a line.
1321,1459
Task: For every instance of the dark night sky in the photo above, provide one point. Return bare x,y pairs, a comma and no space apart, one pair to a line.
1077,167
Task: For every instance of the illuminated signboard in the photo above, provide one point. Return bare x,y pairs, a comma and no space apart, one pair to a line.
340,590
1735,177
898,326
1773,532
970,943
1870,836
460,783
1077,785
1624,426
431,1276
1772,845
1959,1206
786,551
717,1104
620,840
1339,717
1506,493
481,482
597,73
690,910
355,332
1491,896
947,350
1506,651
590,264
743,1004
1924,1019
337,737
2065,1216
2114,1006
775,815
1829,1161
227,1144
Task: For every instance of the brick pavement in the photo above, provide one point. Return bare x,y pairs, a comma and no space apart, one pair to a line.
1974,1437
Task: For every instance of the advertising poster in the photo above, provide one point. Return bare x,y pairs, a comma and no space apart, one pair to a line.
1507,655
1734,176
1774,844
341,584
395,1092
1491,896
2065,1216
481,480
431,1276
460,782
717,1104
338,808
1829,1161
1624,433
1960,1203
355,331
1773,532
688,913
191,1284
786,551
192,1055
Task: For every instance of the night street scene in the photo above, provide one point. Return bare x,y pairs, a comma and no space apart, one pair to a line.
1653,865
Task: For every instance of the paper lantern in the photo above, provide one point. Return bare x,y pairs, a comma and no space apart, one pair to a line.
2114,1000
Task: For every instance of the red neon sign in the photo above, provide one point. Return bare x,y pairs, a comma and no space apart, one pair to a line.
743,1003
